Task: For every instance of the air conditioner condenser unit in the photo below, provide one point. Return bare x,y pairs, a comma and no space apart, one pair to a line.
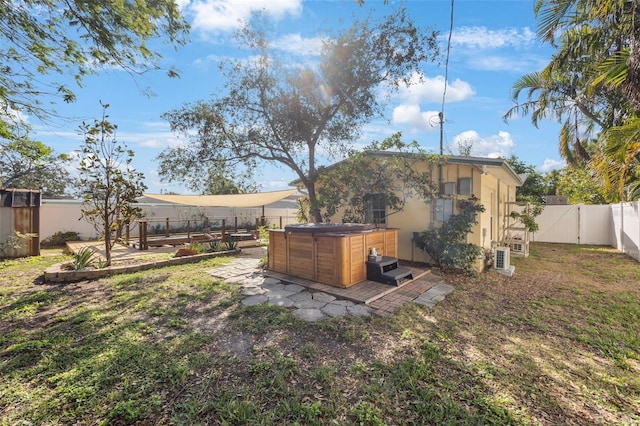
502,261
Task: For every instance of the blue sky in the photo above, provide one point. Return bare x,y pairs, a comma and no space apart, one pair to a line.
493,44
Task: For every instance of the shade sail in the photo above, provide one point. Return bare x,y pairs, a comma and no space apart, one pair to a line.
230,200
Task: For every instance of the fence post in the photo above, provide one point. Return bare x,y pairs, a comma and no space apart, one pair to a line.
224,223
280,222
235,224
166,228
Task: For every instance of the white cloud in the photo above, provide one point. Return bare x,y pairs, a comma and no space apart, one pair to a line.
298,45
509,63
551,164
484,38
427,90
228,15
431,89
493,146
417,120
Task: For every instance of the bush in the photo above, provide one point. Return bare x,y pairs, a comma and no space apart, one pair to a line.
214,246
82,258
447,246
60,238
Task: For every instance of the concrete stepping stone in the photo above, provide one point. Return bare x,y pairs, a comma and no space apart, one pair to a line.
434,295
295,288
359,310
300,296
346,303
253,291
334,310
280,301
323,297
273,286
279,293
255,300
309,314
310,304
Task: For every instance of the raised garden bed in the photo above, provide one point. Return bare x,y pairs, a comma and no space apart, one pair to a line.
56,273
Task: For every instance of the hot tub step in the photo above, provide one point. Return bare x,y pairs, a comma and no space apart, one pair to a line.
396,276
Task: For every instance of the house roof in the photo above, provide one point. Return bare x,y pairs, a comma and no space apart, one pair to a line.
497,167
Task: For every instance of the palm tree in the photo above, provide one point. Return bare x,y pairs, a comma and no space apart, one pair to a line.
592,86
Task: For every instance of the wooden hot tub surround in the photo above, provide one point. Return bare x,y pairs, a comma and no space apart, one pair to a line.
327,253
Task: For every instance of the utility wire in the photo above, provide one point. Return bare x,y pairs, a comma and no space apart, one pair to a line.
446,62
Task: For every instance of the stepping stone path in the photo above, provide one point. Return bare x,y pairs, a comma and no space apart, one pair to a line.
309,306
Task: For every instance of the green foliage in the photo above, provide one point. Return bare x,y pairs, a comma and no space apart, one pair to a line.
108,184
82,258
302,210
447,245
47,39
263,234
366,414
287,115
592,86
214,246
196,246
231,243
60,238
534,187
390,169
580,187
31,164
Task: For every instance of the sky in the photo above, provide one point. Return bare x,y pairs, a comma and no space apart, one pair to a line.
493,43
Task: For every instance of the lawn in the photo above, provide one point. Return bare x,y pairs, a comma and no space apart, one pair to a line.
557,343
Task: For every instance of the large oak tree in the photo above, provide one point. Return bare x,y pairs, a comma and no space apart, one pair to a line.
279,112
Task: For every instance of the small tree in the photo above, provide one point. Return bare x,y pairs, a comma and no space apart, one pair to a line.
108,184
447,245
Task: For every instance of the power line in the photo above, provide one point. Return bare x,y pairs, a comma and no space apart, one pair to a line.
446,62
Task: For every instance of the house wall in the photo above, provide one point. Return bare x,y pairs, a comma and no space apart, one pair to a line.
418,216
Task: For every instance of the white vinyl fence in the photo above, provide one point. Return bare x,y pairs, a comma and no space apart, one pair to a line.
616,225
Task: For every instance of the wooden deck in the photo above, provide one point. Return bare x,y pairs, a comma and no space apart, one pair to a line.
364,292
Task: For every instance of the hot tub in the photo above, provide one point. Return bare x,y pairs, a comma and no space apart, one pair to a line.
333,254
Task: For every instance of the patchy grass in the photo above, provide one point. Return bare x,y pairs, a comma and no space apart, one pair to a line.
557,343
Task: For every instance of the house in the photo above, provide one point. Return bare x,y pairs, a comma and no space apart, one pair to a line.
492,180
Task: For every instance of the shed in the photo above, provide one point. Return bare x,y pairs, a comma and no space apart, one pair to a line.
19,217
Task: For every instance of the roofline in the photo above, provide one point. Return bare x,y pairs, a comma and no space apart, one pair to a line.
455,159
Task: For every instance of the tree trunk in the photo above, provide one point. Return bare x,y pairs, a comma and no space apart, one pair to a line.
314,209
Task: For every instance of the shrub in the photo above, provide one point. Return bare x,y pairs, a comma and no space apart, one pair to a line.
82,258
447,246
232,243
60,238
214,246
196,246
